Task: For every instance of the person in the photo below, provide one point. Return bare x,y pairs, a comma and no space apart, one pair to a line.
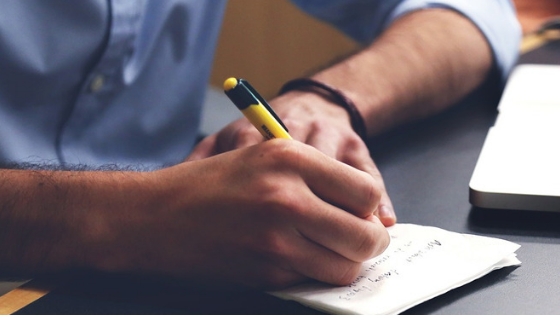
99,110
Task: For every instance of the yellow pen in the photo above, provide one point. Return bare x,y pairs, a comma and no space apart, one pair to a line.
255,108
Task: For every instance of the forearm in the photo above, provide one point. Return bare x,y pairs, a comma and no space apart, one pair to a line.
424,62
59,220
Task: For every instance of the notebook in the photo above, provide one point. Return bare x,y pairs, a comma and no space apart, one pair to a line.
420,263
519,165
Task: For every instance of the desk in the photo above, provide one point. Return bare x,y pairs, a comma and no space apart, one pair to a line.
427,168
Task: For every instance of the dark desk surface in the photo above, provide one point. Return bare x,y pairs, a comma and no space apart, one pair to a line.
427,167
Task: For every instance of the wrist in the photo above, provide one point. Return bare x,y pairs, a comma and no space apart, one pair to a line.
122,208
302,107
149,229
333,96
58,221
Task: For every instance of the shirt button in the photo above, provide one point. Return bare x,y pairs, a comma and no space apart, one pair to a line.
97,83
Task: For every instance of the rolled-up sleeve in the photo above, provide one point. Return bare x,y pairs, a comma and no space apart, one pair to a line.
364,20
496,19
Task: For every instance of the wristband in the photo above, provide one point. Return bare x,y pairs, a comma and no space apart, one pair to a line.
334,95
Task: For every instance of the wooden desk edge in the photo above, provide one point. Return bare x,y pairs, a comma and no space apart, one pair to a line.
22,296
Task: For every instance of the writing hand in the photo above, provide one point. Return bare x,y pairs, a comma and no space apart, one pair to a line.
312,120
269,215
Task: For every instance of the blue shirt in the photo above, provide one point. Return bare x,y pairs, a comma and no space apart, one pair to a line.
122,81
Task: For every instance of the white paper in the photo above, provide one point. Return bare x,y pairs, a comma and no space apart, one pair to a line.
420,263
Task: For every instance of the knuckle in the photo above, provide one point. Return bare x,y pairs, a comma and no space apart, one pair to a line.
294,124
373,192
246,136
272,192
355,143
373,241
321,130
284,204
272,247
280,195
355,147
265,187
286,153
383,243
320,127
368,244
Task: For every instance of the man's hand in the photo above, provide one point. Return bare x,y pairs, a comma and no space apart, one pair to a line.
388,84
268,216
313,120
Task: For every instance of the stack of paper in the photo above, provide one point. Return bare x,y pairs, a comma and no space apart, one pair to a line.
420,263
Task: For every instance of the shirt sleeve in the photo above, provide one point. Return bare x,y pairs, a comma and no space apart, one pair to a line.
364,20
496,19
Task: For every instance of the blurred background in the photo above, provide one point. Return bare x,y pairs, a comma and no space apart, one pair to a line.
271,42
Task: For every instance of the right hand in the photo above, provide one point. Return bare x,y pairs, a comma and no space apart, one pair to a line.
269,215
313,120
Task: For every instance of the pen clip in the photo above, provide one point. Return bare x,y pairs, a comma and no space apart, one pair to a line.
263,102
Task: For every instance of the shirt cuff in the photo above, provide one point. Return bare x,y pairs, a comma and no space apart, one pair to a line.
496,20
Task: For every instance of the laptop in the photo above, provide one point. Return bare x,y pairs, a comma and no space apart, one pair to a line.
519,165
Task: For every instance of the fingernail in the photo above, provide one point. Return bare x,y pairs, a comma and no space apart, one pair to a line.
386,212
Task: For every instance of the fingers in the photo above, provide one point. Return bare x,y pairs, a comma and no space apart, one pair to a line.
204,149
354,238
289,201
239,134
357,155
301,260
339,184
304,258
352,151
334,243
386,211
324,138
319,263
316,207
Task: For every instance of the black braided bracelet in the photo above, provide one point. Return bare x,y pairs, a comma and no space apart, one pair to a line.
333,94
